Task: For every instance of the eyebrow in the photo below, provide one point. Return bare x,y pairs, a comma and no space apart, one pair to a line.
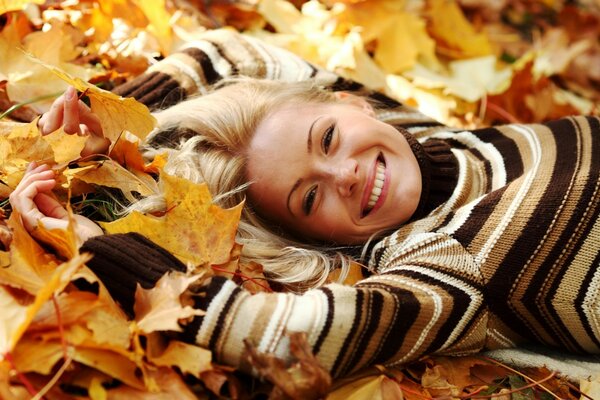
308,149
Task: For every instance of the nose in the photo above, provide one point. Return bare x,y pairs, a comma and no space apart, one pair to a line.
345,177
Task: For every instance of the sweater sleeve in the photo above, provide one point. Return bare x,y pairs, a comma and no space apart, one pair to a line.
426,299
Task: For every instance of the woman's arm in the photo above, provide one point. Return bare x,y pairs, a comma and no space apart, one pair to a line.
429,300
425,302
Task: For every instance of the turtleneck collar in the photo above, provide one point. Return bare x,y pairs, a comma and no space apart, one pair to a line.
439,172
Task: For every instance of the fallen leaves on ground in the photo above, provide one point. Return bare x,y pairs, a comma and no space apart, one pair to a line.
466,63
304,378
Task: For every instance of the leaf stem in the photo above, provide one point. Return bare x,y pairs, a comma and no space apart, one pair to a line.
28,386
235,273
15,107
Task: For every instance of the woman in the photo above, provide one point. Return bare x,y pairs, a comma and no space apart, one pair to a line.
483,239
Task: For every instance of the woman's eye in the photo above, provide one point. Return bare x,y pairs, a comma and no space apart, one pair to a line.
327,139
309,200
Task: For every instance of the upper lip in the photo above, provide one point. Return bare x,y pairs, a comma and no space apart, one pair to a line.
370,182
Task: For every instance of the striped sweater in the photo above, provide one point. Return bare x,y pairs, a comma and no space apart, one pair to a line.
511,255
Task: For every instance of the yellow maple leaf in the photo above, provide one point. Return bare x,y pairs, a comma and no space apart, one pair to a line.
193,229
371,387
16,318
34,355
30,266
159,17
188,358
111,363
27,79
401,37
15,5
65,147
403,43
455,35
116,113
159,308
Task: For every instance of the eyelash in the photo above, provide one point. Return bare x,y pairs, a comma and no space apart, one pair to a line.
309,199
327,138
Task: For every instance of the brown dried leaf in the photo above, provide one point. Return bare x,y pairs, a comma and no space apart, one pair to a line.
304,378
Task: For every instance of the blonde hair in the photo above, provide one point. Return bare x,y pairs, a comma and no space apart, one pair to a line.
206,138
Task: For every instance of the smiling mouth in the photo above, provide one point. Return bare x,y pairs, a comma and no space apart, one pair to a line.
377,189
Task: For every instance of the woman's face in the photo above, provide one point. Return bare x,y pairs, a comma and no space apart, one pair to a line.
332,172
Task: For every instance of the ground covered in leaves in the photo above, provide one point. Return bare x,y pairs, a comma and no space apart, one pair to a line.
467,63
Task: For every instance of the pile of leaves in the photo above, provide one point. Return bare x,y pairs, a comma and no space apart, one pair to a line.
62,336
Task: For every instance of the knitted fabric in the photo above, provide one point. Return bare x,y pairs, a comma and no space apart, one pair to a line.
121,261
511,255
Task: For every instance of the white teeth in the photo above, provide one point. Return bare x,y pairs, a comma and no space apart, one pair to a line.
377,186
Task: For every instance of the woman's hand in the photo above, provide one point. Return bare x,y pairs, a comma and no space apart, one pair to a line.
35,202
77,118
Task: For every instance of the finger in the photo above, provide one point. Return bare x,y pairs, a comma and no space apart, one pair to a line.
32,165
30,214
87,117
49,206
39,172
71,112
53,119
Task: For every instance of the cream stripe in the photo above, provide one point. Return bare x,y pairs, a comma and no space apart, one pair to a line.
475,295
437,303
528,180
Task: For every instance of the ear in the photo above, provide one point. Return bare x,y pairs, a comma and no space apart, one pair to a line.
357,101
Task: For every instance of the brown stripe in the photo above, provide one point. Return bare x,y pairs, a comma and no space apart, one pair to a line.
206,65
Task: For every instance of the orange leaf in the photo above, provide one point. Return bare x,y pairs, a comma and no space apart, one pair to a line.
159,308
193,229
188,358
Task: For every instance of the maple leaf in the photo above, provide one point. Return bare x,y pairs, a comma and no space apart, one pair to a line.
188,358
355,274
378,387
65,147
170,386
116,114
30,266
159,308
305,378
111,174
16,318
451,28
193,229
15,5
27,79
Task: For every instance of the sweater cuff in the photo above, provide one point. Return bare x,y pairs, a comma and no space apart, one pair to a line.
121,261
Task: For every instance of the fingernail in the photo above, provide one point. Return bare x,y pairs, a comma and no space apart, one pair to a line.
70,94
